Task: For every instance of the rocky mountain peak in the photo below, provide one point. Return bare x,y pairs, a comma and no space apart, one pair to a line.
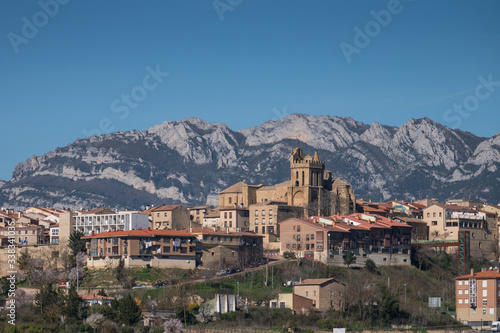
191,160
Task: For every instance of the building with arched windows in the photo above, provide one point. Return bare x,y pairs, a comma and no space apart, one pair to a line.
310,186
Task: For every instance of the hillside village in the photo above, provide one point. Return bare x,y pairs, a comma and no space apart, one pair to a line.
312,216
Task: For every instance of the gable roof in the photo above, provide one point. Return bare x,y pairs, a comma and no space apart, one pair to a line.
238,187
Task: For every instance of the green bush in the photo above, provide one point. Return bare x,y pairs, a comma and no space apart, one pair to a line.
289,255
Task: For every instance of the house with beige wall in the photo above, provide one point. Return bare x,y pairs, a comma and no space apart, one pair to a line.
265,217
445,221
477,298
233,219
325,294
138,248
172,217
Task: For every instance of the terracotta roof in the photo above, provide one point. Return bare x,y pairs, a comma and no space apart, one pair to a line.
491,274
371,209
140,232
89,297
418,205
314,223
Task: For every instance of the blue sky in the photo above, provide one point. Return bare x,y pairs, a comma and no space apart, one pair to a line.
67,67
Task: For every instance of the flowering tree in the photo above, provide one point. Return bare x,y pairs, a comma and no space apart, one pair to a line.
173,326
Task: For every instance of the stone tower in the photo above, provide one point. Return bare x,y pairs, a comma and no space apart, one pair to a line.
307,174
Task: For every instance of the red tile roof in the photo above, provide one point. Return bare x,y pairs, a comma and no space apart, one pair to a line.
491,274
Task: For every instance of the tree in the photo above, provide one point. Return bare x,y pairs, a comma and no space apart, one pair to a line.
370,265
102,292
24,259
95,320
73,304
173,326
122,275
49,302
77,245
389,305
129,312
349,259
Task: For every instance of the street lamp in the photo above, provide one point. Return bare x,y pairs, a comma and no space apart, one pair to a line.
405,293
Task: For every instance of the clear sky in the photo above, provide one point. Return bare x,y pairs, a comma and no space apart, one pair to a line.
74,68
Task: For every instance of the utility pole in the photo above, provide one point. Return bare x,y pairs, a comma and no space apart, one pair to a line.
266,273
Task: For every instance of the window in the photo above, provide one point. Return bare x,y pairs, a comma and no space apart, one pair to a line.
287,246
484,310
166,249
270,220
312,236
331,293
230,215
298,228
263,230
434,223
485,283
230,200
157,214
434,214
460,292
263,221
428,214
307,246
270,212
256,212
256,230
485,292
459,301
256,221
307,293
466,283
485,301
315,293
165,214
225,215
440,214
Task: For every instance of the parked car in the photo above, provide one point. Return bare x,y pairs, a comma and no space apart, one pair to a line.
160,284
141,286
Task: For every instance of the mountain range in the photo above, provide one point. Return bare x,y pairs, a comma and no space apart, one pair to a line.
189,161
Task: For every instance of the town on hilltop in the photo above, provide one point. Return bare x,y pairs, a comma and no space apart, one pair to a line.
311,219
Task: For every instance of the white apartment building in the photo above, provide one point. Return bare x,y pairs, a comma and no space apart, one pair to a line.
110,221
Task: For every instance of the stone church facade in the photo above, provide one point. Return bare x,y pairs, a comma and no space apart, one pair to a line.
310,187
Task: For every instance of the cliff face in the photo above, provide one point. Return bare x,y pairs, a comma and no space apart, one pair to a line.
190,161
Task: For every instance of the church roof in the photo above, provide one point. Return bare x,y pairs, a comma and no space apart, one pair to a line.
238,187
316,157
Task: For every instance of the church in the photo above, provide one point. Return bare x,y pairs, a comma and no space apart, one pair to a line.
310,186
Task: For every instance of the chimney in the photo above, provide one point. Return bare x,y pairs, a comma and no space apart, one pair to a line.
19,214
234,205
241,206
472,272
92,232
483,269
